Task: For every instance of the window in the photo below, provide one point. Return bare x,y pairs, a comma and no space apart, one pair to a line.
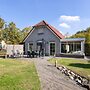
77,46
40,31
52,48
70,47
30,46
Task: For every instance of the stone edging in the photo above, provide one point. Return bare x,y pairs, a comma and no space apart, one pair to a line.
80,80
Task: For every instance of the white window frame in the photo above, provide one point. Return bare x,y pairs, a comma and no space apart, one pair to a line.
49,47
29,44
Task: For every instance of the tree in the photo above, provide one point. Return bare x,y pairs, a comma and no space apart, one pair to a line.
2,23
25,31
88,29
11,34
84,34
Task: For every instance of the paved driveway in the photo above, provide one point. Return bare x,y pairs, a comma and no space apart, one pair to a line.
53,79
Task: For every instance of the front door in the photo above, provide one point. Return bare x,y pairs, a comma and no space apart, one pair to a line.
52,48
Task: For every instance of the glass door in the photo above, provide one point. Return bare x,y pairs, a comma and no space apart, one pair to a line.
52,48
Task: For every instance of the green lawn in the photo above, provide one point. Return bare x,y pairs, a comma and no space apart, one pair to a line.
81,67
18,75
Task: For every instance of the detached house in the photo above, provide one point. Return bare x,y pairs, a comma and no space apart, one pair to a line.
49,41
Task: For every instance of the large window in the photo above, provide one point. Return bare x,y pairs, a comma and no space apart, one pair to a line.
70,47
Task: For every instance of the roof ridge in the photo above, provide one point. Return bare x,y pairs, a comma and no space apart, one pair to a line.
45,22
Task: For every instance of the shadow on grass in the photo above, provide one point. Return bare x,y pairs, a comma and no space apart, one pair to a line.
80,65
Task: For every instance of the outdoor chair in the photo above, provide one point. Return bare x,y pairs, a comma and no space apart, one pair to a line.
33,54
28,54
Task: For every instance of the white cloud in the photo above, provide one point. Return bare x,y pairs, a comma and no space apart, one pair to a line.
64,25
70,18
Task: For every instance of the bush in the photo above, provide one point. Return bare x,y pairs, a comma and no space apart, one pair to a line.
87,49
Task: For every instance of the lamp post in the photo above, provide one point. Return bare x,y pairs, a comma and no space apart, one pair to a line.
55,63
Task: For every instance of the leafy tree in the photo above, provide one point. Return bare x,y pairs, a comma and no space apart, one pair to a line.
2,23
84,34
25,32
88,29
11,34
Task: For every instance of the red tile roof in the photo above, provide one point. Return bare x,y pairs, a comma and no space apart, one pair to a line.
44,23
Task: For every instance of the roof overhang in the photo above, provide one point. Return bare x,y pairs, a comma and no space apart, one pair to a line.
72,40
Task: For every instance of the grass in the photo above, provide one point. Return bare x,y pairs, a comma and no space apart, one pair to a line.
81,67
18,75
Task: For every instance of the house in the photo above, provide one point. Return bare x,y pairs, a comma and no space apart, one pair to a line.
48,40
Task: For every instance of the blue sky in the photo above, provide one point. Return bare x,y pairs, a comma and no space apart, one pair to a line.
66,15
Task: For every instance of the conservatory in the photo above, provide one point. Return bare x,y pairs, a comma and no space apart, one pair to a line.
74,46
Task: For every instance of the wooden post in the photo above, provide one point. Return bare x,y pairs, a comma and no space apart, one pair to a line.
55,63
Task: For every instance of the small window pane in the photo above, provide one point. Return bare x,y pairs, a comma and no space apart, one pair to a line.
30,47
40,31
52,48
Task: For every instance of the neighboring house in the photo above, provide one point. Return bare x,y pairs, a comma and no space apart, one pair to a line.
48,40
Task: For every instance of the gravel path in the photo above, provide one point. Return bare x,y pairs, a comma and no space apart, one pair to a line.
53,79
